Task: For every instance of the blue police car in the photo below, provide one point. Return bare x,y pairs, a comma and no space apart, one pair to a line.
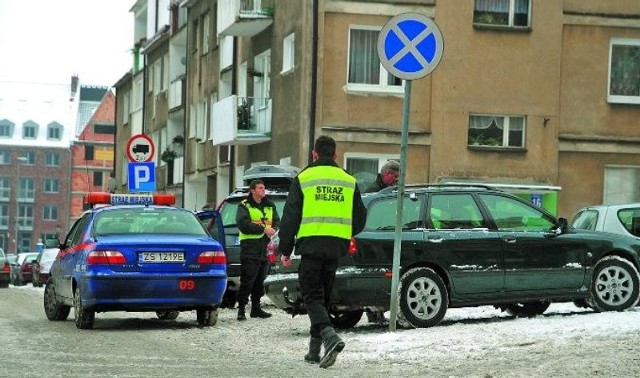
137,253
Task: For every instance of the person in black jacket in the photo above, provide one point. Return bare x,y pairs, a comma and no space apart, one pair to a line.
257,220
330,199
388,176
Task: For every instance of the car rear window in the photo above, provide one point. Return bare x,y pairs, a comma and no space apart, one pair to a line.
630,219
147,221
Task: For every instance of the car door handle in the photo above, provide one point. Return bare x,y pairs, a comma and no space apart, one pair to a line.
510,240
435,240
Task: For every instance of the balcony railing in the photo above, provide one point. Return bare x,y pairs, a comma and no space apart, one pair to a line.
244,18
241,121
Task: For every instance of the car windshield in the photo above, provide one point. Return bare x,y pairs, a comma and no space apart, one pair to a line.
145,220
229,209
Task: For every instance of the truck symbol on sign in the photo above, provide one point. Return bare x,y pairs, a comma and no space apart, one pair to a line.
140,149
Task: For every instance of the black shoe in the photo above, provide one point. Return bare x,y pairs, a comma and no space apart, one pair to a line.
333,345
241,315
259,313
313,355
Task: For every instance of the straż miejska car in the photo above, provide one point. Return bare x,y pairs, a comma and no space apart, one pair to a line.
138,253
470,245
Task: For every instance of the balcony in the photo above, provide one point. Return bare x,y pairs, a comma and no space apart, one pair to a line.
244,18
241,121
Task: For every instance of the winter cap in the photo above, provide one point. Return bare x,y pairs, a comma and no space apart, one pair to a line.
391,166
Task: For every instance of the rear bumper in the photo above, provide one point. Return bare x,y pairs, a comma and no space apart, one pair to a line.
353,288
152,292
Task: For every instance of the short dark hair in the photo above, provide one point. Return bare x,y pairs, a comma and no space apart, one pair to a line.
325,147
254,183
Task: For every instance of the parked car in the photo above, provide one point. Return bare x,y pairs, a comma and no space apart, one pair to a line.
623,219
137,253
20,266
470,245
277,180
5,270
41,267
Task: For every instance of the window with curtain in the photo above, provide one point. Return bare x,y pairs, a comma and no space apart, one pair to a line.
364,67
509,13
496,131
624,71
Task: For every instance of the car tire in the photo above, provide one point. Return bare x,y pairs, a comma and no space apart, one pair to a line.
615,285
54,309
83,318
345,319
167,315
423,298
207,317
527,309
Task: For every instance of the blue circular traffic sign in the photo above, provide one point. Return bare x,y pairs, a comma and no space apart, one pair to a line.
410,46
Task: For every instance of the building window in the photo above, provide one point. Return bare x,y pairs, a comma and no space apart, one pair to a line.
496,131
50,213
6,128
97,178
51,186
624,71
31,158
52,159
621,185
5,188
206,32
365,167
27,190
288,53
262,78
29,130
365,72
104,129
5,157
4,215
54,131
88,152
508,13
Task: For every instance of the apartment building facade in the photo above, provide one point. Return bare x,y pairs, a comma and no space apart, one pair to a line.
540,98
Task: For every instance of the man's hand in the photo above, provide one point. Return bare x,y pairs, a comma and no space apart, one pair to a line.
286,261
269,231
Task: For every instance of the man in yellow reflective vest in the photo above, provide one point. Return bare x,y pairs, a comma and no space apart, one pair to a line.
257,220
322,212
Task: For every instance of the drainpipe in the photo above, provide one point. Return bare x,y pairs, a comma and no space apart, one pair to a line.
234,90
314,81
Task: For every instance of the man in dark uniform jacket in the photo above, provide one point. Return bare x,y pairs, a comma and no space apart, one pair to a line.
257,220
333,212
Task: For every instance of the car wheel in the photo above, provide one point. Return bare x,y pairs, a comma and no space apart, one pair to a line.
615,285
167,315
84,318
229,299
527,309
423,298
345,319
207,318
52,307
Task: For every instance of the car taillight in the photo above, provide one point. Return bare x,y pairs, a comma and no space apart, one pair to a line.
105,257
212,257
353,247
6,267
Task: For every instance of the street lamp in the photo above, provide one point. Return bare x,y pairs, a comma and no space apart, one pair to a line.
21,159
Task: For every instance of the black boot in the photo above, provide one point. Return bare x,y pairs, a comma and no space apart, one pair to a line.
333,345
241,315
313,356
257,312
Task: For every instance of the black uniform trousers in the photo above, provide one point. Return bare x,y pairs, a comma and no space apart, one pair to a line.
252,275
316,276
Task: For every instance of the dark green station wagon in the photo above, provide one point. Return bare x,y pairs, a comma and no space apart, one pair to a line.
470,245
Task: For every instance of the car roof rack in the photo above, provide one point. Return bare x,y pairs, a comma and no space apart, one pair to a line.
394,188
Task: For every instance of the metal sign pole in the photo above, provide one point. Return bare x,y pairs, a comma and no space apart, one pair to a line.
406,105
